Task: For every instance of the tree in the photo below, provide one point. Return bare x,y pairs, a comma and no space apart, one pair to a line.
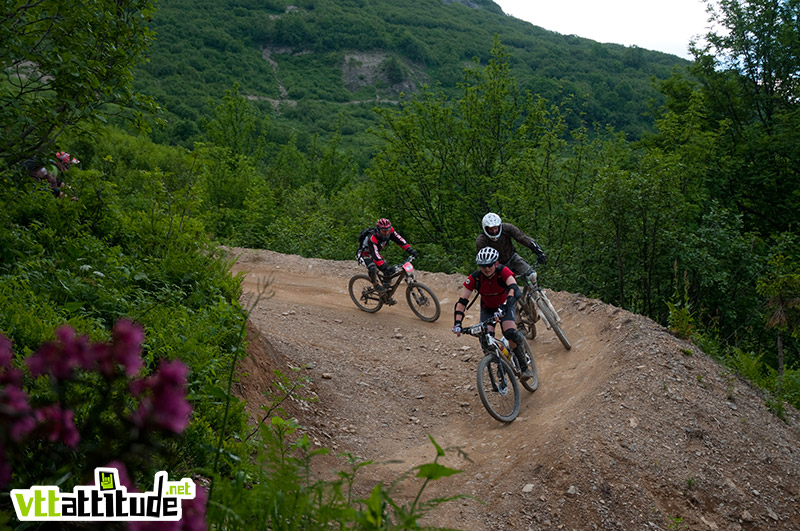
781,288
65,63
748,76
236,125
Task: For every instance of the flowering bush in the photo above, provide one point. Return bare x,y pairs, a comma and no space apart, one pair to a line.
86,405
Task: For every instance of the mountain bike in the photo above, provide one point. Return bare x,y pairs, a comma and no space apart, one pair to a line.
498,372
420,298
533,305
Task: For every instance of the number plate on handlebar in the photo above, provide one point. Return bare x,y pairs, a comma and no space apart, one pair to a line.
474,330
408,267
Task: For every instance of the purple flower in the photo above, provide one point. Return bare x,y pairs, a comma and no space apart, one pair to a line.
61,357
11,377
15,412
126,346
59,424
5,352
163,398
125,349
194,511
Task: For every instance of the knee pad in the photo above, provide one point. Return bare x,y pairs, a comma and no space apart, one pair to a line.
512,334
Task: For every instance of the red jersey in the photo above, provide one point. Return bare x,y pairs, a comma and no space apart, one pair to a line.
493,290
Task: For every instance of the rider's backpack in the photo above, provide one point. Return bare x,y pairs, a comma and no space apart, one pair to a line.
363,241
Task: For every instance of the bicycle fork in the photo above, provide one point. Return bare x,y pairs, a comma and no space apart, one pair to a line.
537,299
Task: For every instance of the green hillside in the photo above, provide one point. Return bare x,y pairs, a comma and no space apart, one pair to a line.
324,64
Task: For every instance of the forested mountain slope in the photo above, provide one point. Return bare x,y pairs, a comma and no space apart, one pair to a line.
323,64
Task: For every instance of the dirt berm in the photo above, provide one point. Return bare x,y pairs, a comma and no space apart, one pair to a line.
631,429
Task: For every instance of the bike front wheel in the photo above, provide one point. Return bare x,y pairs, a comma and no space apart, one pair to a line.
498,388
423,302
364,294
530,384
551,318
526,318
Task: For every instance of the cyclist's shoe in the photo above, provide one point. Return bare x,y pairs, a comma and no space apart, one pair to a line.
526,374
380,288
391,302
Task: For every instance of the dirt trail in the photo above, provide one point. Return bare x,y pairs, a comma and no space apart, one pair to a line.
631,429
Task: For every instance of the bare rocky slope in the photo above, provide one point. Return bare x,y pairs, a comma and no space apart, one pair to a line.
631,429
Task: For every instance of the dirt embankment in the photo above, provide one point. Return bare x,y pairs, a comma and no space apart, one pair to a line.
631,429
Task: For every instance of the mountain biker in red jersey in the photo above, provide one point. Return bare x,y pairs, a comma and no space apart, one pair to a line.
498,290
372,258
499,235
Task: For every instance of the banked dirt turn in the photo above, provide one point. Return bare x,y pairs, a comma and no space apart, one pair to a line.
631,429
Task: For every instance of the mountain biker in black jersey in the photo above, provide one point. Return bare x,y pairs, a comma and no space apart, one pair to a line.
499,235
372,258
498,290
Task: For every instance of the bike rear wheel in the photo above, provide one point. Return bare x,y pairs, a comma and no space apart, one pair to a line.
422,302
498,388
548,314
530,384
364,294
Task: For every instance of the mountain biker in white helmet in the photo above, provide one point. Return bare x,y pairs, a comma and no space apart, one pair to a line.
498,290
500,236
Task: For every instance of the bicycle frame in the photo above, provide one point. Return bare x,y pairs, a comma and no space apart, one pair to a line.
490,344
404,272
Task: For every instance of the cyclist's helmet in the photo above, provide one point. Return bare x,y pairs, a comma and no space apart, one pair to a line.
383,224
492,225
487,256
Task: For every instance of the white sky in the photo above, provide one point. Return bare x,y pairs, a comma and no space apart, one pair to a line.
663,25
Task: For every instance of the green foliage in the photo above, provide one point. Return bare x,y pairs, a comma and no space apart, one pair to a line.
61,69
680,319
129,247
280,492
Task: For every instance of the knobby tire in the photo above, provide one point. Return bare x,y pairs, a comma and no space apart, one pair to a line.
530,384
553,323
423,302
526,321
498,389
363,293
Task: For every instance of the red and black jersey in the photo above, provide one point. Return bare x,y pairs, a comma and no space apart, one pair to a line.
493,290
378,244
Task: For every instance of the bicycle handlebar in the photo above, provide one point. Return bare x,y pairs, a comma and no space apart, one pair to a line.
479,328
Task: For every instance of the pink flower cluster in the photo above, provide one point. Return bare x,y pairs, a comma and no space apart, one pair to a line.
162,396
70,352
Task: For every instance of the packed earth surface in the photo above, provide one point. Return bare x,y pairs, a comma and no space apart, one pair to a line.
633,428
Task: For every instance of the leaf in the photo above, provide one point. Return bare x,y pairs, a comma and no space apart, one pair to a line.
435,471
439,450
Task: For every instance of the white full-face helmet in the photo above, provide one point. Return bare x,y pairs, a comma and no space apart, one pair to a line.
492,225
